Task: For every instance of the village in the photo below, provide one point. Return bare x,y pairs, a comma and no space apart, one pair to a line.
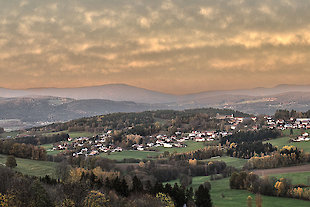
90,146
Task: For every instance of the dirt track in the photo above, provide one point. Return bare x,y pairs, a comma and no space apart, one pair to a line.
301,168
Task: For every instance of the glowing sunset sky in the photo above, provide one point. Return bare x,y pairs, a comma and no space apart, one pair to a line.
169,46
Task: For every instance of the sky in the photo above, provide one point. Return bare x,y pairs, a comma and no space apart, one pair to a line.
175,46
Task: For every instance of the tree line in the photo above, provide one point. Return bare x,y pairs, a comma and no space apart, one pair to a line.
200,154
251,136
21,150
40,139
287,156
247,150
269,186
286,114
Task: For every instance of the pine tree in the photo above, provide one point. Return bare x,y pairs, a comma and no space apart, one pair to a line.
137,185
202,197
39,197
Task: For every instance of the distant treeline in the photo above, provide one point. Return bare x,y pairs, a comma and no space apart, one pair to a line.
251,136
287,156
286,115
40,139
249,149
200,154
28,151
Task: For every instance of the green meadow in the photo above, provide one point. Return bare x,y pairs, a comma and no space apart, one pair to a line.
296,178
191,146
282,141
296,132
11,134
119,156
32,167
223,196
72,134
230,161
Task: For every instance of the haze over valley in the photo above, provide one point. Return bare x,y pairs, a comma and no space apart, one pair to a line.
47,105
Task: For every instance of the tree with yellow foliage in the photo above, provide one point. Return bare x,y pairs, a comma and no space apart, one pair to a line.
165,199
67,203
7,200
282,187
76,174
96,199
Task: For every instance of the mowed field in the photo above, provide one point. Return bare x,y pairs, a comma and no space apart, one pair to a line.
293,169
280,142
12,134
297,174
191,146
72,134
127,154
48,148
223,196
32,167
230,161
233,198
296,132
296,178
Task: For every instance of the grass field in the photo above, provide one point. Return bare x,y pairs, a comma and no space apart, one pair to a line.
33,167
296,178
231,161
72,134
130,154
48,147
198,180
296,132
233,198
191,146
280,142
238,198
12,134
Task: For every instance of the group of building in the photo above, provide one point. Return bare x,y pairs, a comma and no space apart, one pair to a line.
292,123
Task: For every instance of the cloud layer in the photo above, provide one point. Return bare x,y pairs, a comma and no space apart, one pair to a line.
171,46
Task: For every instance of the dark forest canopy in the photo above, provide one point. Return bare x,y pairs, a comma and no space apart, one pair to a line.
251,136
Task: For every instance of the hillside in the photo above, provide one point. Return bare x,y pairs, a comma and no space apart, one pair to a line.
38,110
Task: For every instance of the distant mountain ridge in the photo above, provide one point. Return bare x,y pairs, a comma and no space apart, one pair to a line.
53,104
114,92
123,92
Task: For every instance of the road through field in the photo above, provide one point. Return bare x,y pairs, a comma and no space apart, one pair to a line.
300,168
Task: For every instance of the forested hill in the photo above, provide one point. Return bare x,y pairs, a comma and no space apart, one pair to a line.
147,122
53,109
